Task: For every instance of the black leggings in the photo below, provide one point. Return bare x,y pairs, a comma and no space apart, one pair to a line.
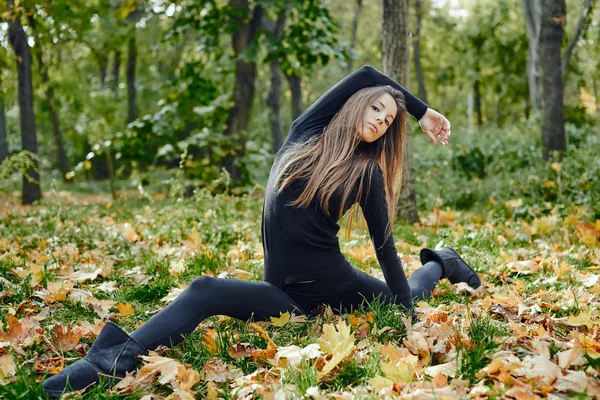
207,296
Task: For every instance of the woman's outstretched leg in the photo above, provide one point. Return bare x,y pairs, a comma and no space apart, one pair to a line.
424,279
207,296
366,288
437,265
114,353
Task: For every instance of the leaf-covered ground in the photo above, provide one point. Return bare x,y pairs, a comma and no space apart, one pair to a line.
532,330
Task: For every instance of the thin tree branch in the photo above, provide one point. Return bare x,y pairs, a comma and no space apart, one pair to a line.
578,31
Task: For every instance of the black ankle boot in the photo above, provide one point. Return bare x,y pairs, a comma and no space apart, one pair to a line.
112,355
453,266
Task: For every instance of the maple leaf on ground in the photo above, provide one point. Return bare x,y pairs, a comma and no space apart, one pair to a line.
521,392
216,370
209,338
87,273
7,367
417,344
337,341
22,332
572,356
90,330
108,286
539,369
241,350
447,369
129,233
101,307
66,338
578,382
281,320
125,309
56,291
35,270
294,354
170,372
402,370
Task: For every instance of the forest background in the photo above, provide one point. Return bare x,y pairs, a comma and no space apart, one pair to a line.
143,133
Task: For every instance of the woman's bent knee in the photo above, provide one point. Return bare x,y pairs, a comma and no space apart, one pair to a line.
202,284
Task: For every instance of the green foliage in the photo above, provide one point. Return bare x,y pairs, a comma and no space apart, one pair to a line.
471,162
309,38
17,163
504,168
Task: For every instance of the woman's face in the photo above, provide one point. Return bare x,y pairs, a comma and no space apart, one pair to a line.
378,117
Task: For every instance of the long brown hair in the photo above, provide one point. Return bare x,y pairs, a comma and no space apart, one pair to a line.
338,158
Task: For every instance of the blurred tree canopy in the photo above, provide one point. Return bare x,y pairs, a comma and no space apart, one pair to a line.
124,86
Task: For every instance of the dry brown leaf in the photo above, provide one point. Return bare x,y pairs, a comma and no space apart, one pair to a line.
171,372
241,350
7,367
521,393
129,233
539,369
57,291
101,307
66,338
216,370
181,394
573,356
22,332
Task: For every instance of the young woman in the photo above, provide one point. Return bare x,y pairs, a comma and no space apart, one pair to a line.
345,149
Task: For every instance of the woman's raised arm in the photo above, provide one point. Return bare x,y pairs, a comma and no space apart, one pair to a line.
319,115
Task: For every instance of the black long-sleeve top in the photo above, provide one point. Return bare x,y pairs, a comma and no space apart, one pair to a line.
301,244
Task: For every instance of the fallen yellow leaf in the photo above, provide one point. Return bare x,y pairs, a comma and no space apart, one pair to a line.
125,309
281,320
209,337
337,341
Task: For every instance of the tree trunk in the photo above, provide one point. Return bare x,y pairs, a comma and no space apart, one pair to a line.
477,95
551,35
296,88
3,135
63,161
115,72
533,17
396,62
417,51
102,65
274,96
131,93
353,35
581,25
243,91
18,40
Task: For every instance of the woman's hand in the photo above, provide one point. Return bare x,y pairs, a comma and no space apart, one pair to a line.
435,126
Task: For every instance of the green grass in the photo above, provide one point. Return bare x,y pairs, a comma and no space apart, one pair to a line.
495,168
486,337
